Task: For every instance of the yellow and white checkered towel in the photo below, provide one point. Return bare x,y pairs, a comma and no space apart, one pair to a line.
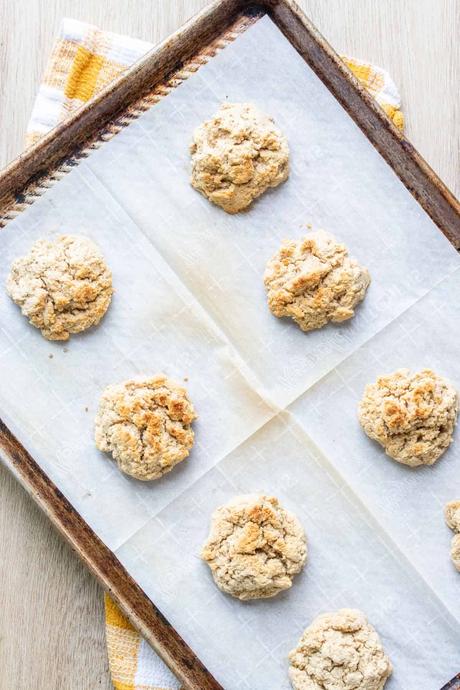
83,61
133,663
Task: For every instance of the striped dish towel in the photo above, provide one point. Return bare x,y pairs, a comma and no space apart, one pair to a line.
83,61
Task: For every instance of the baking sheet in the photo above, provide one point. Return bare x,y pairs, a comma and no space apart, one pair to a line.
276,406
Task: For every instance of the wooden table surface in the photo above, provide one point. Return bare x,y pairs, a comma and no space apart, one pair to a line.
51,621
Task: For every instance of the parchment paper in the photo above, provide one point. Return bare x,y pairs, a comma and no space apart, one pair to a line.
277,407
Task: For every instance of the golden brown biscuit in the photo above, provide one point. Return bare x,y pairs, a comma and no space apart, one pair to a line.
452,515
146,425
62,286
411,415
339,651
313,281
255,547
237,155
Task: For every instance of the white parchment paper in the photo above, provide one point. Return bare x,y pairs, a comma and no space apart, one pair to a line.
277,407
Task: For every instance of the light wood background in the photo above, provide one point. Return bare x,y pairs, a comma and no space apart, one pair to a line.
51,610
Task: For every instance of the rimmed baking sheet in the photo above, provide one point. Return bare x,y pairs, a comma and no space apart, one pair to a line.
276,406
